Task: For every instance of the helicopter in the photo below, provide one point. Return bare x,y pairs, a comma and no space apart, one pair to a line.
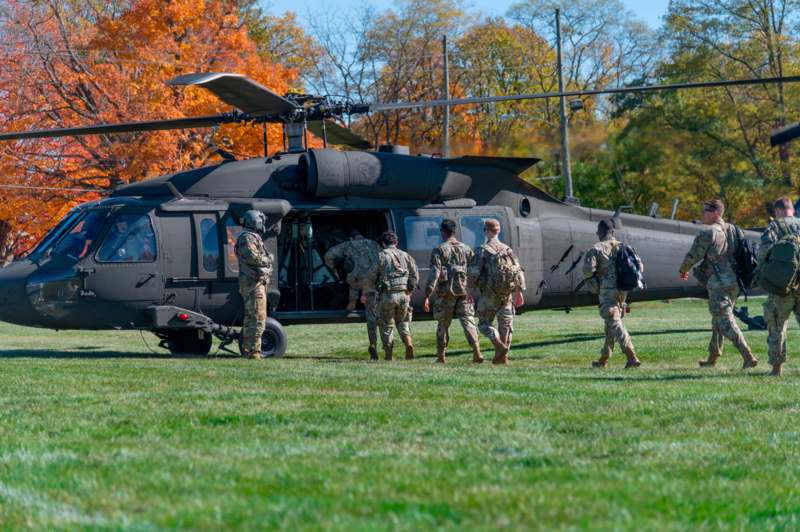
158,255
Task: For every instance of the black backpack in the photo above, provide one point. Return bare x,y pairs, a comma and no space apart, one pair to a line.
745,261
629,276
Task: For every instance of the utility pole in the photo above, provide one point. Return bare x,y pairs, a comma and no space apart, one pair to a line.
446,96
566,169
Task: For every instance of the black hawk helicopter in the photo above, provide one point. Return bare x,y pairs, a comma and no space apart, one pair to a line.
158,255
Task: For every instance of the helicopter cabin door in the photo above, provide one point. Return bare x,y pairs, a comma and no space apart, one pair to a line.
125,272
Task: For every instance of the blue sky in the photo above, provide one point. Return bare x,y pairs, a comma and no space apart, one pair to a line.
650,11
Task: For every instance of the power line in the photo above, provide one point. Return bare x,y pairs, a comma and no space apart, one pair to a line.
30,187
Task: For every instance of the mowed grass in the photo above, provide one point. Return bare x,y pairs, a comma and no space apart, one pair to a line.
96,431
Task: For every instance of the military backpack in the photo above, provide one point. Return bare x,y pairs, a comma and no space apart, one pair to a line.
454,274
629,274
777,273
502,270
745,262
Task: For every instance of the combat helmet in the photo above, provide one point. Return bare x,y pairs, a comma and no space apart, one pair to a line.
255,220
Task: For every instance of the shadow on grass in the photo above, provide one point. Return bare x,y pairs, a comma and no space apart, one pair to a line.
81,352
577,338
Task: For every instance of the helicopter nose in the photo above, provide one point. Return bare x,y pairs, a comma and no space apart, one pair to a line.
14,304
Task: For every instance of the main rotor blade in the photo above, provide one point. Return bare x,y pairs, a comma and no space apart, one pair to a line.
153,125
239,91
591,92
338,135
784,134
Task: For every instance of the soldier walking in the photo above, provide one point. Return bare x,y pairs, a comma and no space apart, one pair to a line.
496,272
396,279
448,280
255,270
600,273
360,258
778,308
714,249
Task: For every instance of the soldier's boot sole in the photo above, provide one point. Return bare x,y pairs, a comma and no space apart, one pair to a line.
777,370
750,362
373,353
710,362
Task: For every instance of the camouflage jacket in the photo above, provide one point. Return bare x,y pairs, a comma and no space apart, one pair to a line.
397,271
714,248
255,262
599,265
360,258
776,230
479,270
451,259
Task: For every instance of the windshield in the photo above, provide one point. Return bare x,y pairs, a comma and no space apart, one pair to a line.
52,236
79,239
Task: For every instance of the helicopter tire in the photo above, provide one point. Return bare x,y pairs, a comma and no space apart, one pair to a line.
188,342
274,340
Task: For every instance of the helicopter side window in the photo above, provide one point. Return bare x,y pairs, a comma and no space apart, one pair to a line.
78,241
210,239
232,232
472,230
422,232
130,239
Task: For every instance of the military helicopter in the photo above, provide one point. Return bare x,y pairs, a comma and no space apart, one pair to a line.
157,255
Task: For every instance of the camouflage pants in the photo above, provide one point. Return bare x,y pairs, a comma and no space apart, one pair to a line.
371,315
255,315
723,324
777,310
447,306
612,310
394,309
491,305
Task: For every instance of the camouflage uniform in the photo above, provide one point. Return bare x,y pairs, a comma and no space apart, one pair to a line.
777,309
452,295
713,248
601,275
361,258
255,270
492,304
396,277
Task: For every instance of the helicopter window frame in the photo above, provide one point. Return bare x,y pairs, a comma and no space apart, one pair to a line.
231,229
111,227
89,245
478,235
199,220
412,241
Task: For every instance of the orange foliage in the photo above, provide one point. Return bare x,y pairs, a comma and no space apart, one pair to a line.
79,62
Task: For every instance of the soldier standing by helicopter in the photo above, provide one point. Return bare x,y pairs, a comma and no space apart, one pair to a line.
255,270
599,268
496,272
396,279
714,249
360,258
448,280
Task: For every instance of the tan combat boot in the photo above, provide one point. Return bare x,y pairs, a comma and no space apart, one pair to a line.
749,361
710,362
777,370
440,358
601,362
633,360
477,358
500,353
388,353
409,350
373,353
254,356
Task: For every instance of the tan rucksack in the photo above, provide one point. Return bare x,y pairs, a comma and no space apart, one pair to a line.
502,270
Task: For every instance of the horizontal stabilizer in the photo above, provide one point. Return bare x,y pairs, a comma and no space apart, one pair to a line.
239,91
784,135
516,165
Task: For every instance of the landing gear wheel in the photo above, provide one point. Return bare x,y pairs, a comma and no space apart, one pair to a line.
273,341
188,342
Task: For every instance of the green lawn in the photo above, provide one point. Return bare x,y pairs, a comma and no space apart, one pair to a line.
96,431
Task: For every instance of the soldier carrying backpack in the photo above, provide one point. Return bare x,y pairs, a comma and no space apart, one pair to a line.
611,269
500,278
448,282
777,273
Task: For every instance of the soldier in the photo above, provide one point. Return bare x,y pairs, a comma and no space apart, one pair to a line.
255,270
496,272
360,258
714,249
396,279
448,279
600,273
778,308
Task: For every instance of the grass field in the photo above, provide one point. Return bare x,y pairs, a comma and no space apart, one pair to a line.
96,431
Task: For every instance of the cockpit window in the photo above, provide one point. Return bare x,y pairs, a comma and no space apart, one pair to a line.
130,239
78,240
52,236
